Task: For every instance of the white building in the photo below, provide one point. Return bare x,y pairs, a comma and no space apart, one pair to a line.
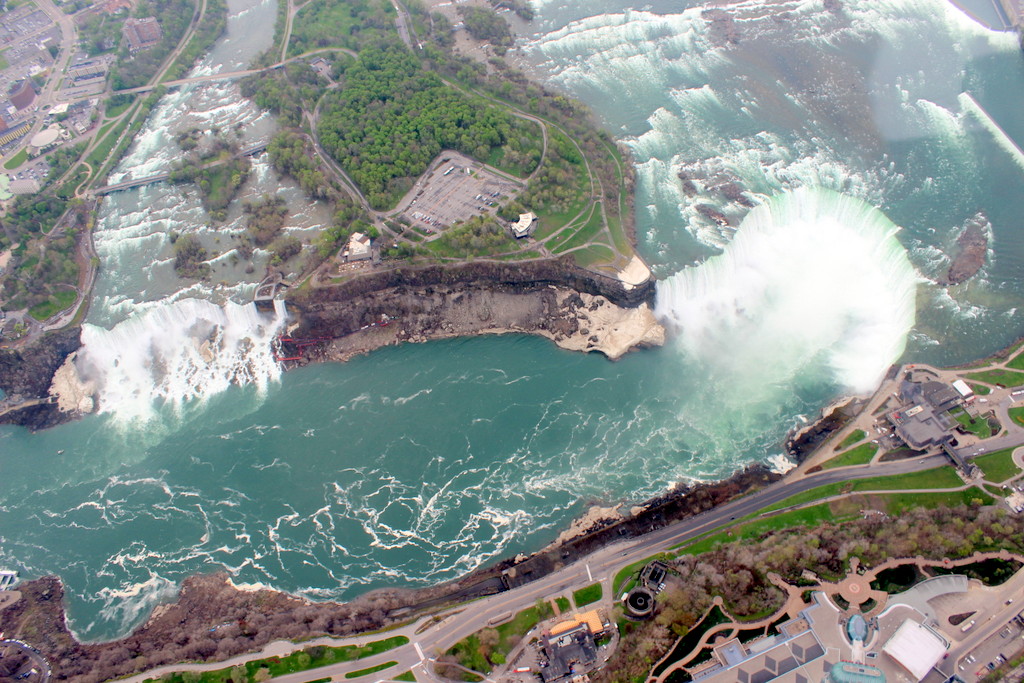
525,226
358,247
7,579
916,648
964,390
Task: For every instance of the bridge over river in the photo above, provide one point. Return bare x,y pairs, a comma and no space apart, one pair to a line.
161,177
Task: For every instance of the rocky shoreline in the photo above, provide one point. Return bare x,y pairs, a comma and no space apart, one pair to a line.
577,309
26,375
213,620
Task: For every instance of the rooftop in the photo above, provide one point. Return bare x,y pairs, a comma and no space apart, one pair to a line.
916,648
568,653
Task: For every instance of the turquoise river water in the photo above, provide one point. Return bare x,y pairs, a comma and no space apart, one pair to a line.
865,138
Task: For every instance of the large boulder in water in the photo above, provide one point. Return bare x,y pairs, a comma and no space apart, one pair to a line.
971,251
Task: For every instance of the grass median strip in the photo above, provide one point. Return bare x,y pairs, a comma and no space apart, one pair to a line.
309,658
371,670
860,455
997,466
585,596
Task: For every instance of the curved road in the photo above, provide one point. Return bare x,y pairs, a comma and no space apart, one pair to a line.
599,566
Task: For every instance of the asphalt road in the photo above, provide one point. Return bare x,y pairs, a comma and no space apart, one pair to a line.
992,616
599,566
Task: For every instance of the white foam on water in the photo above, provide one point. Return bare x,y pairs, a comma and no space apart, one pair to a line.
178,352
811,276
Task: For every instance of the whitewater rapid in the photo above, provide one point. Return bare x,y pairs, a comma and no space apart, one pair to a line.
811,275
178,352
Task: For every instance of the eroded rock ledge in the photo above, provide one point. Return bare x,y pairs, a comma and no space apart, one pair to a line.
577,309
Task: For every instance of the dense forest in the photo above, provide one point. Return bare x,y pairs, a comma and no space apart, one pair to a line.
286,92
485,24
352,24
190,257
292,155
393,117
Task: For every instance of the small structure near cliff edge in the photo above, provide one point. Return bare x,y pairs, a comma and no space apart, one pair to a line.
7,579
358,248
526,225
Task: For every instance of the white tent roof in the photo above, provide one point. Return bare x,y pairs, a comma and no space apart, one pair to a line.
916,648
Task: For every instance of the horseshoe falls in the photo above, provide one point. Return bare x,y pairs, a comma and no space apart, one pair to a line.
810,276
802,172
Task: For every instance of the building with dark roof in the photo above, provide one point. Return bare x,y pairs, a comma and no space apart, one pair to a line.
22,94
141,33
924,421
568,653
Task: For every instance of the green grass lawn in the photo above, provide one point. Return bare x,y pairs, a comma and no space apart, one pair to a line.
303,660
807,516
1017,362
897,503
54,305
855,456
586,233
585,596
370,670
978,426
937,478
1017,414
980,389
1007,378
628,571
102,152
118,109
595,253
851,438
17,160
997,466
563,604
407,676
892,503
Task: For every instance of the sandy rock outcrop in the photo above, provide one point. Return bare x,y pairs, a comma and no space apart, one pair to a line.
74,395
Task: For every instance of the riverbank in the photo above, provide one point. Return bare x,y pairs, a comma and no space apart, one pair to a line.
26,375
212,620
577,309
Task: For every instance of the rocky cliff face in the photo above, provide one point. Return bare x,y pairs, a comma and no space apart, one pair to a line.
26,374
576,309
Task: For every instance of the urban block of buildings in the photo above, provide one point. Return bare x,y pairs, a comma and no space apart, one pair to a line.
824,645
141,33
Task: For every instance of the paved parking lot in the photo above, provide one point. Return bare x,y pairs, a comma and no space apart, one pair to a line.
455,188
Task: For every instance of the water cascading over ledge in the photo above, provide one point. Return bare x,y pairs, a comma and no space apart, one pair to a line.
177,352
813,277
